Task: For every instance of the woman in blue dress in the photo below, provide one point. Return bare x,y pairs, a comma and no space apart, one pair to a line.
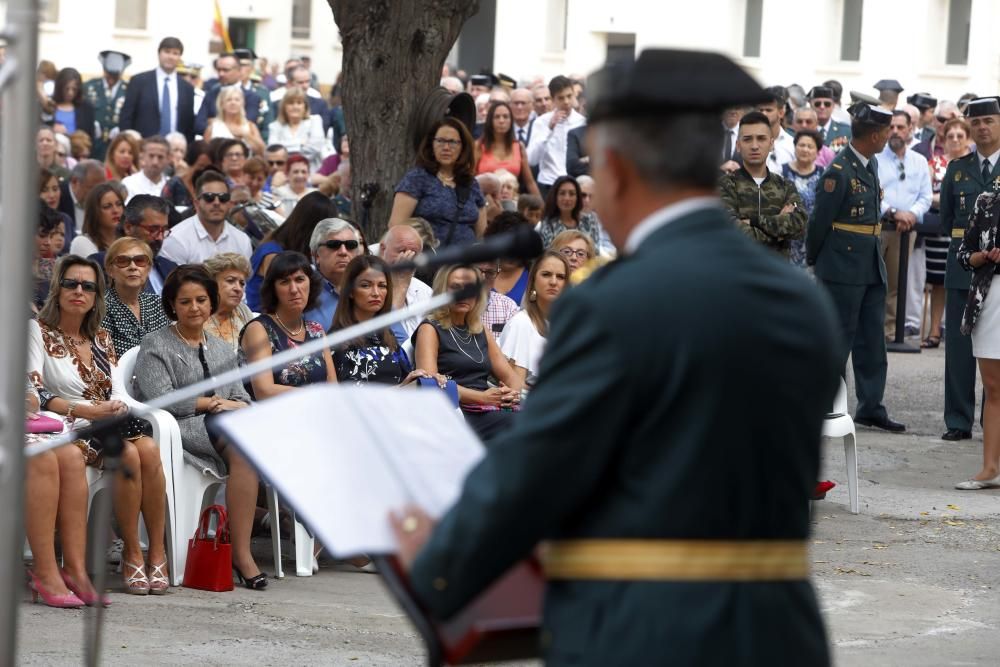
803,172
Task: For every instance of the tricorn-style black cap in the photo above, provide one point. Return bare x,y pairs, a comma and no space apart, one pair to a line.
888,84
983,106
245,55
870,114
825,92
662,81
922,101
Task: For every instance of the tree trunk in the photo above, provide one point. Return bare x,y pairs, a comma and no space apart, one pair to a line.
393,54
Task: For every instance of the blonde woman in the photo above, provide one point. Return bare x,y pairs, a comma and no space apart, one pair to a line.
232,123
230,271
452,341
297,130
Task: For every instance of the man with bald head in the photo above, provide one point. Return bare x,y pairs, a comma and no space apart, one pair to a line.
401,244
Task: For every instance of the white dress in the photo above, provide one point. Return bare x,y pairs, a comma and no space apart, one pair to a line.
986,332
521,342
307,139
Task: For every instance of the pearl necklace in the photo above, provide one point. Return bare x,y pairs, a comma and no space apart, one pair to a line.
177,330
302,325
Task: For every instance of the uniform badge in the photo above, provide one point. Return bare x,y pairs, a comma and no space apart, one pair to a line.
829,184
854,211
958,176
861,211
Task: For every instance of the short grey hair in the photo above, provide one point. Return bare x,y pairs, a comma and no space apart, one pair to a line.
694,140
84,168
327,227
804,110
176,136
584,179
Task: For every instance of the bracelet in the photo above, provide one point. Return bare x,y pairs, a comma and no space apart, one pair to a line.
72,407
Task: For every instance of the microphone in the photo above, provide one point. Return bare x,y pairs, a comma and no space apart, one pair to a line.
522,242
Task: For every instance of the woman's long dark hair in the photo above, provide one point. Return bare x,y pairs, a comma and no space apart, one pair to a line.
344,316
551,201
92,211
489,136
66,75
295,232
465,163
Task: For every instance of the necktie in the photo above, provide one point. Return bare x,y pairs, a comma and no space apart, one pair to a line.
822,134
727,152
520,134
986,171
165,108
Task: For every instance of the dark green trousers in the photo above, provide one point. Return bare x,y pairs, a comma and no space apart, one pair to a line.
861,309
959,365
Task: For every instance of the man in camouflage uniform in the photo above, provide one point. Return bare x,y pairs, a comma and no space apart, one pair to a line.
766,206
107,95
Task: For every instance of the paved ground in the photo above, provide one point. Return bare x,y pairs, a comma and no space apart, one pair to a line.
912,579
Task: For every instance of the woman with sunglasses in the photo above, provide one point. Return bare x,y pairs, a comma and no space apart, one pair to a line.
71,360
180,355
103,211
132,312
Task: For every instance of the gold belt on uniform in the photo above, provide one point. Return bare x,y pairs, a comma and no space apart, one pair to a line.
958,233
676,560
867,230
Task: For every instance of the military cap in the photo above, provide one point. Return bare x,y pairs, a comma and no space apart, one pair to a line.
484,79
983,106
922,101
662,81
114,62
857,96
245,56
888,84
507,81
825,92
870,114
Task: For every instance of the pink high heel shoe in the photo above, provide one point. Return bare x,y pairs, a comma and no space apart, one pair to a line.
67,601
89,599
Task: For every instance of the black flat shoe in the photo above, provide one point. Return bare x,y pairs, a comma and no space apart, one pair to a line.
884,423
954,434
257,583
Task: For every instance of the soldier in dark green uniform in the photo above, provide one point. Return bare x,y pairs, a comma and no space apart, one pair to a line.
966,178
264,112
765,206
639,455
107,95
843,243
834,134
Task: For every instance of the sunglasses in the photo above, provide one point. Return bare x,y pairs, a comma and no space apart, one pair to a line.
336,243
943,119
822,103
70,284
209,197
122,261
276,163
902,172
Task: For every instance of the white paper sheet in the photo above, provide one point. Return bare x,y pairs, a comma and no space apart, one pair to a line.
344,456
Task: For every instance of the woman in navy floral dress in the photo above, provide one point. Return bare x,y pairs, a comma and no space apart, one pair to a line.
804,173
290,287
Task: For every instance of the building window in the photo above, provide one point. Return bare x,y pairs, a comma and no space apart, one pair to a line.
959,18
50,11
301,18
850,35
130,14
751,28
555,33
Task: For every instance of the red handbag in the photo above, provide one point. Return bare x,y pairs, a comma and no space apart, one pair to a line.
210,559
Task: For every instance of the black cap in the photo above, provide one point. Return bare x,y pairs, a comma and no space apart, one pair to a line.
983,106
662,81
825,92
480,80
245,55
114,62
888,84
870,114
922,101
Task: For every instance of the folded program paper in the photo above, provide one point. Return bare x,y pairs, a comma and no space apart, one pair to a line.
344,456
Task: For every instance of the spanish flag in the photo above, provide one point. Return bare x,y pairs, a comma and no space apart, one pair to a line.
220,30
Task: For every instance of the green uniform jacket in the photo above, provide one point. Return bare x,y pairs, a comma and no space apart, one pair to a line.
265,113
761,205
106,112
847,193
640,428
837,131
962,184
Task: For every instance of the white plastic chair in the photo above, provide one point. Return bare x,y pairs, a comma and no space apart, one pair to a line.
302,541
838,424
167,435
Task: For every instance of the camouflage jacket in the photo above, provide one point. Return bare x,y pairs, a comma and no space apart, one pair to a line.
760,206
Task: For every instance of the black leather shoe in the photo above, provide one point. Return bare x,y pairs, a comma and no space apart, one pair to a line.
885,424
956,434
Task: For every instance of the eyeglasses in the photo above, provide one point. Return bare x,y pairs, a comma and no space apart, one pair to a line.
276,163
902,171
822,103
156,230
489,274
70,284
235,155
112,206
943,119
122,261
447,143
209,197
335,244
569,252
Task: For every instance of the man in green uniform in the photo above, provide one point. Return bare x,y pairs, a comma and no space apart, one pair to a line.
843,243
766,206
671,496
107,95
834,134
966,178
264,111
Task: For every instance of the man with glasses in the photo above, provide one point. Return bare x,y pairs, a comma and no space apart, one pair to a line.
333,244
500,307
145,218
522,109
207,234
835,135
228,68
906,182
277,157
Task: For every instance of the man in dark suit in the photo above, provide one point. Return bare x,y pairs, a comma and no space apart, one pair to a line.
652,549
159,101
73,194
228,67
843,242
145,218
577,160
